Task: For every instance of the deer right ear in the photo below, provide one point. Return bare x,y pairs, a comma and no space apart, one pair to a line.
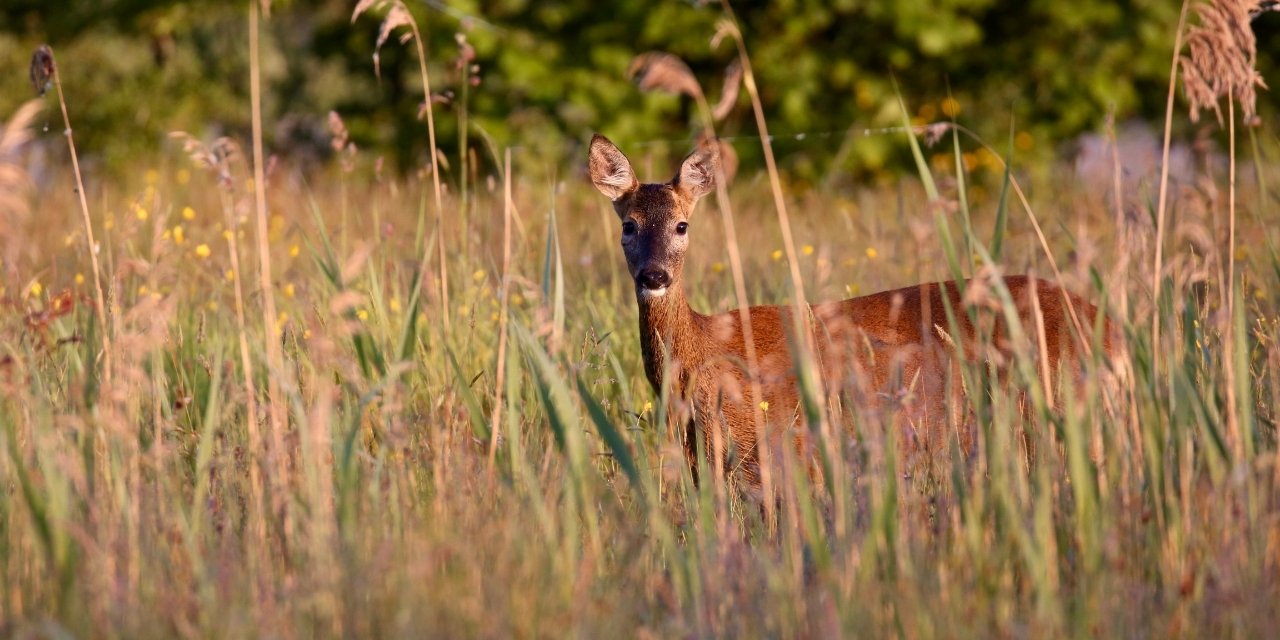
610,170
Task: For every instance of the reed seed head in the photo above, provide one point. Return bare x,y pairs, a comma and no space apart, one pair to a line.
1221,58
42,69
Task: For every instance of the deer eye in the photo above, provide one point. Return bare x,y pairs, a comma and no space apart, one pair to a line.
629,228
682,228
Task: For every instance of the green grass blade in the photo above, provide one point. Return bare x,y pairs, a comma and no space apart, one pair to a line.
1002,205
613,438
479,427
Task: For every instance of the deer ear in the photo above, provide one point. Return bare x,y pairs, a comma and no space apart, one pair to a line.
610,170
697,175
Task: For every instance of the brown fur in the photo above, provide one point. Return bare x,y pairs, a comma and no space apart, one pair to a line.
887,352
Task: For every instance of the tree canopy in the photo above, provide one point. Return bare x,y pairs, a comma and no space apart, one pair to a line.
546,75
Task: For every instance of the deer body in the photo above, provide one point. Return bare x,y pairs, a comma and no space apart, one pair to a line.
885,351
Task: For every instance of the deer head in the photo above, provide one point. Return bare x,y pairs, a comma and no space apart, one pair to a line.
655,217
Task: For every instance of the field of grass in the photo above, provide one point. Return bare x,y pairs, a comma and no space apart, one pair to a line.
496,465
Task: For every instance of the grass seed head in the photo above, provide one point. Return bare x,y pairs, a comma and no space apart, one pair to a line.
1221,59
42,69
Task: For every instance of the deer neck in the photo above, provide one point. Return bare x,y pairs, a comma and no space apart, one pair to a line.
667,329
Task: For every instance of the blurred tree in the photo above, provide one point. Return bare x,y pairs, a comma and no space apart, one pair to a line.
549,73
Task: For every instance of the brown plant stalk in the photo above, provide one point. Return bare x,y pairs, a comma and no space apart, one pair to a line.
1163,202
44,69
399,16
657,71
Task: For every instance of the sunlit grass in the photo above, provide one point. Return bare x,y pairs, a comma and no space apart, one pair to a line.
129,507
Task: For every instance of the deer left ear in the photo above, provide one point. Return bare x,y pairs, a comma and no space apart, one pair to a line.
697,176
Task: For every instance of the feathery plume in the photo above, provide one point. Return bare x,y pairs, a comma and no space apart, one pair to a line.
1221,58
729,95
660,71
41,69
15,184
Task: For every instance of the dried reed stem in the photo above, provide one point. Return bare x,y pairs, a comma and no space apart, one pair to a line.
500,376
275,359
762,451
100,299
1163,202
661,71
1229,340
802,310
435,174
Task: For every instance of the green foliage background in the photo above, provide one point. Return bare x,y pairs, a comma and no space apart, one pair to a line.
552,72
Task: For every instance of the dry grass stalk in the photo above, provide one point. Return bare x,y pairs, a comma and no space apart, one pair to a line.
728,27
275,356
1221,59
503,313
398,16
43,70
1162,205
658,71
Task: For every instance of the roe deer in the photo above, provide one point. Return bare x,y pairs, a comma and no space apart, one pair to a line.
884,345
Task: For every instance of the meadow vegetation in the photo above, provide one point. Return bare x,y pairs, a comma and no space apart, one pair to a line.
456,437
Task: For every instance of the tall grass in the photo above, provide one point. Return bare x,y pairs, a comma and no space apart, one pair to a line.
411,504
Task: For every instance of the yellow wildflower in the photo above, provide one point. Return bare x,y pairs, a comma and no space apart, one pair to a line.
776,255
293,251
363,315
35,288
872,253
203,251
179,236
764,405
478,275
718,267
807,250
79,278
141,213
288,290
950,106
187,212
231,275
394,304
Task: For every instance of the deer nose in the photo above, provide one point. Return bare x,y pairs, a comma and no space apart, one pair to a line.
653,279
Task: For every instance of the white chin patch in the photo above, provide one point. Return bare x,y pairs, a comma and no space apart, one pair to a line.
653,293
